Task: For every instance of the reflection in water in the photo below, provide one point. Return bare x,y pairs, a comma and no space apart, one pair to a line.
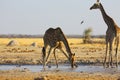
80,68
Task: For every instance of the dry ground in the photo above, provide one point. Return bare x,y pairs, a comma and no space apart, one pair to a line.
17,74
26,54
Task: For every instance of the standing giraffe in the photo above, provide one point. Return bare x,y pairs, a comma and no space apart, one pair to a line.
53,38
113,32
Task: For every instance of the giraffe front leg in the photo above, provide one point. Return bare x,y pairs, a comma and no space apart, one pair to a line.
55,57
104,64
110,60
110,55
65,54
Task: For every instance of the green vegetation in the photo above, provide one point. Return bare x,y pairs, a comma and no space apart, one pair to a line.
87,35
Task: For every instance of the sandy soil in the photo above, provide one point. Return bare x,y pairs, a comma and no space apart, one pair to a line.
17,74
90,54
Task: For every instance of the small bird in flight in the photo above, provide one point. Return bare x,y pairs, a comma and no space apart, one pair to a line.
82,22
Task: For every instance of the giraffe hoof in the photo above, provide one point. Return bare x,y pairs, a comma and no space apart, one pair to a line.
107,66
49,66
56,66
76,65
112,67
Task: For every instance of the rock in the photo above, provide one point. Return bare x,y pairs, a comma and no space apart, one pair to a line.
13,43
42,78
34,44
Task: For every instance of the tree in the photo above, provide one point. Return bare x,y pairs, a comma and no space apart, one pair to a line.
87,35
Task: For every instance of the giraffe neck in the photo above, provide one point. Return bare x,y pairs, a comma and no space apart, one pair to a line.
103,12
64,40
66,45
108,20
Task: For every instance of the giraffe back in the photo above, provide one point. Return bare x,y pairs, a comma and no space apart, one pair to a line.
51,37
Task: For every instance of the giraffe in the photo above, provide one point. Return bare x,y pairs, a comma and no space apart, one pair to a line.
112,34
54,38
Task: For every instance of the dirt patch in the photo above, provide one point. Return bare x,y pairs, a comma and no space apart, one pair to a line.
56,75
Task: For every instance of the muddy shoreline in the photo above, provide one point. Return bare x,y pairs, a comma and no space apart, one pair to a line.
17,74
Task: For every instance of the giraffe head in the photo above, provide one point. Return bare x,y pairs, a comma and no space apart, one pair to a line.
95,5
72,59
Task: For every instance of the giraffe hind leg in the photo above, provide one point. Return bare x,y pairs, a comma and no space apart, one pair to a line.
116,54
43,55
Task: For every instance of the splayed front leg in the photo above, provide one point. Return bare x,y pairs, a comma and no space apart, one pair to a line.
55,58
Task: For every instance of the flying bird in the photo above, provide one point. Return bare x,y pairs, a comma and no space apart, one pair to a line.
82,22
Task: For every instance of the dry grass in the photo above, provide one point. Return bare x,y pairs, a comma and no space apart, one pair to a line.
26,54
39,41
22,41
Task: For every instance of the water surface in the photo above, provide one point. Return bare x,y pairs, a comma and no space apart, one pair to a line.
80,68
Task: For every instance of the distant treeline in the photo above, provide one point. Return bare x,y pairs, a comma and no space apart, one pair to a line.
40,36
